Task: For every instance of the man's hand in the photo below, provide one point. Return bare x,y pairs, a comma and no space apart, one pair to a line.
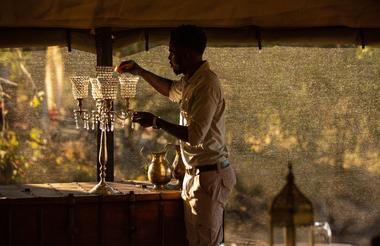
130,67
145,119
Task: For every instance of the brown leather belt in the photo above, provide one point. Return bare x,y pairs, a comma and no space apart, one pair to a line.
207,168
213,167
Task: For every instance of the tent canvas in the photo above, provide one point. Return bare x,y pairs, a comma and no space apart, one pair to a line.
139,24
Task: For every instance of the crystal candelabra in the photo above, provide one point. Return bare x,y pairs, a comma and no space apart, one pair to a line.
104,91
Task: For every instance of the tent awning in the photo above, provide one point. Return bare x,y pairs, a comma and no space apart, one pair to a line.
87,14
146,23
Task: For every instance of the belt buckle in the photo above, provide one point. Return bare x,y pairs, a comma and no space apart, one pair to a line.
221,165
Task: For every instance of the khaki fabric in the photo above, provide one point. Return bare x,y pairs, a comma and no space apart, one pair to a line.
202,107
143,24
170,13
204,196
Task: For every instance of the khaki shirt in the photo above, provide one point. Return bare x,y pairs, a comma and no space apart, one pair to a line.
202,108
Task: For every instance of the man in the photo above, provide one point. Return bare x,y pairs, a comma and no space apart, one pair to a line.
209,178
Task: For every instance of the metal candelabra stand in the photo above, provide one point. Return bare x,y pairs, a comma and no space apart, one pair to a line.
104,91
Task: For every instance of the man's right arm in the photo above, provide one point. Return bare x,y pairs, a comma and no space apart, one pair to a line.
162,85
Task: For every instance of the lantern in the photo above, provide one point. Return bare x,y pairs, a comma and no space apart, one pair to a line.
291,215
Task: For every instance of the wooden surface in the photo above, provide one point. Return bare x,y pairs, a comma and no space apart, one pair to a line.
65,214
142,190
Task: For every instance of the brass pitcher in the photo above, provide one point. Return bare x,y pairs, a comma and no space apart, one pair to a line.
159,170
179,168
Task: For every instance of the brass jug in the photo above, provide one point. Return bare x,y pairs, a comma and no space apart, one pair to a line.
159,170
179,168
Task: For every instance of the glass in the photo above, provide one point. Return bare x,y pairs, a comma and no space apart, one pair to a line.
104,90
108,87
106,71
80,86
128,83
96,89
322,233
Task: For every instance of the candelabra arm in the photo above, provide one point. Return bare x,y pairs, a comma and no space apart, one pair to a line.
82,112
126,112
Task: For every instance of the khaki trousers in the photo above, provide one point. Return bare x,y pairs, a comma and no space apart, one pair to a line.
204,196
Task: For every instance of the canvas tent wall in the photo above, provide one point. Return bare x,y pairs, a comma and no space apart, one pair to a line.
137,25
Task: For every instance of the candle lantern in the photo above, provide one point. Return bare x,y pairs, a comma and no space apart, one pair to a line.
291,216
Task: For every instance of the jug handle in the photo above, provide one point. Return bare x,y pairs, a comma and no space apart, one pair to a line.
147,157
170,147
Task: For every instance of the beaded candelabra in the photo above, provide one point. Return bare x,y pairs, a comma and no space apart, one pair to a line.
104,91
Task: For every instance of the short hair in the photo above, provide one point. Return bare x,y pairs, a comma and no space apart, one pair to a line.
189,36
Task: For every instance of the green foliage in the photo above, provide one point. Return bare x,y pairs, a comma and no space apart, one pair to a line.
12,161
30,151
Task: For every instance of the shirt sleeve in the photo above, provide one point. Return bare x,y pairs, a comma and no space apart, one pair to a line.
202,110
175,91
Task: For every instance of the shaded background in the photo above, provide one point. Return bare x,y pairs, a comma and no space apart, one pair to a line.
317,107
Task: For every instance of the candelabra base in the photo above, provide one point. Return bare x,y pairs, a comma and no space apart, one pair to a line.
102,188
159,187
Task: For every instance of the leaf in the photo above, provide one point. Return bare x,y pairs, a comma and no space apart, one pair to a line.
36,102
13,142
35,134
59,160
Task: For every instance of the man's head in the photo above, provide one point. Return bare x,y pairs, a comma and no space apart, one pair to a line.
187,44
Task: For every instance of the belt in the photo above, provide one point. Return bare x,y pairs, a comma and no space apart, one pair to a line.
207,168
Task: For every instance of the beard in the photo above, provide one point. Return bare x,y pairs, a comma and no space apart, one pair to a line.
176,71
176,68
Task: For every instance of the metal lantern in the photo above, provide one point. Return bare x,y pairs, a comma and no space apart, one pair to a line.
292,216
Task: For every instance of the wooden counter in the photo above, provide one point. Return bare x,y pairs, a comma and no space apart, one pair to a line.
65,214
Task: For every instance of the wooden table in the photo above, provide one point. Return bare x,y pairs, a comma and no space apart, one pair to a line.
65,214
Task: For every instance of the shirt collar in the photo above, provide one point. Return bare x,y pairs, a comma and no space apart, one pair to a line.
205,66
